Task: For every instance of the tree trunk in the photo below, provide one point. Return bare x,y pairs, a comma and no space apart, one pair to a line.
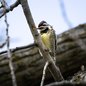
28,63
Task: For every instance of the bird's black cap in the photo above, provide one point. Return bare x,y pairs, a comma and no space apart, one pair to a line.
42,23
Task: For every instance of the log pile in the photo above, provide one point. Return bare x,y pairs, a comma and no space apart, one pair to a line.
28,63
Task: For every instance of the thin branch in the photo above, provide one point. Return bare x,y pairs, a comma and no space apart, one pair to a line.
10,8
64,14
67,83
52,67
44,73
3,44
8,50
11,64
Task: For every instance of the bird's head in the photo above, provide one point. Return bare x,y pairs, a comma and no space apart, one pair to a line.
43,25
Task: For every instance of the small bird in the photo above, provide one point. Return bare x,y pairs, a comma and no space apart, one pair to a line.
48,37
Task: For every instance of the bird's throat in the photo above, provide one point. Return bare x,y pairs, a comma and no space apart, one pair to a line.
44,31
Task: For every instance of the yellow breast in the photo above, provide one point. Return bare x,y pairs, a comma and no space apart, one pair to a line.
45,38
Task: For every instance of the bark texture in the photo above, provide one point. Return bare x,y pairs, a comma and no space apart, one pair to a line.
28,63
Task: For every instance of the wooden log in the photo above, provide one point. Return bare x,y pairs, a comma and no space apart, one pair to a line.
28,63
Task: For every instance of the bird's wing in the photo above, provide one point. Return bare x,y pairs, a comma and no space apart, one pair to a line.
53,41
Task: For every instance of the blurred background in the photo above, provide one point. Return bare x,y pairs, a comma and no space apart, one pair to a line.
61,14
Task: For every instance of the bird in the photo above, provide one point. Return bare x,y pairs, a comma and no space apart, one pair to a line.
48,37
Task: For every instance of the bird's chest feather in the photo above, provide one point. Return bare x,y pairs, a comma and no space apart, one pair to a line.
46,39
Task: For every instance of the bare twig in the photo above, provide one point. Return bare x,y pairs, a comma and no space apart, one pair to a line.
3,44
67,83
8,50
10,63
64,14
10,8
44,72
52,67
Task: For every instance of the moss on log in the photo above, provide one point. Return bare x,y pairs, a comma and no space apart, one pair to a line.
28,63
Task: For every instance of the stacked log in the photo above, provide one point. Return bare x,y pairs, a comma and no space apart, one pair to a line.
28,63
